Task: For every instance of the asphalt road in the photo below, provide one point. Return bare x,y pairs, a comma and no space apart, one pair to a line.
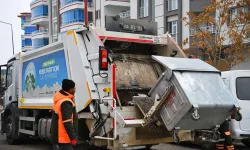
36,144
43,145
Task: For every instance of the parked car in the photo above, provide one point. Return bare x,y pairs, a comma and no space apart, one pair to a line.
238,81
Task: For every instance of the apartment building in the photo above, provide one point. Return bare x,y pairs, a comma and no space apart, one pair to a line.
51,18
28,30
167,14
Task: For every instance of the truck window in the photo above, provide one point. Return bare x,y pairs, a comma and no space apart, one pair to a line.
9,75
243,88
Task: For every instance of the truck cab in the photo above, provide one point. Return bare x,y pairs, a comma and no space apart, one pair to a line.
9,90
11,80
238,82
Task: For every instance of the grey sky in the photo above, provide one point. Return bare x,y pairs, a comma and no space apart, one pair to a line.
9,9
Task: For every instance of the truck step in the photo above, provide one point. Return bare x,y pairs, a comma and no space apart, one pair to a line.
32,119
134,123
29,132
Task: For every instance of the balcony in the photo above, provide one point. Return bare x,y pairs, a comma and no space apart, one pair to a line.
39,15
26,23
72,26
26,48
125,14
121,3
26,36
67,5
42,20
35,3
42,33
211,29
143,12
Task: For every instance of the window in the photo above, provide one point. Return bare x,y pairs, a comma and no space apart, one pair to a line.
54,28
22,21
37,43
90,16
242,88
66,2
172,5
75,15
29,30
38,11
143,8
97,14
23,43
54,11
9,75
236,11
28,42
173,30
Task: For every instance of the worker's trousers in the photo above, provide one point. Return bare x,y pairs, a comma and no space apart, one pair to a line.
227,144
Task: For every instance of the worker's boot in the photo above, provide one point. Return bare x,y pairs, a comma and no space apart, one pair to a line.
220,146
230,147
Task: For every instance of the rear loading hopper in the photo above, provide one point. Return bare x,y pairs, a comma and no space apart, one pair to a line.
189,95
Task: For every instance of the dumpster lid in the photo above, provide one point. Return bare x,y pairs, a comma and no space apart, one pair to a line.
184,64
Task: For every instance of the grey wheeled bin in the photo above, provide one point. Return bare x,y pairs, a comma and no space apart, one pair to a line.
199,99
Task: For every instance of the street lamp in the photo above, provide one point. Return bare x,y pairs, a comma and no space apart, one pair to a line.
11,34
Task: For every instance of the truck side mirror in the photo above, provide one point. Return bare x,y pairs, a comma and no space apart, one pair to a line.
2,77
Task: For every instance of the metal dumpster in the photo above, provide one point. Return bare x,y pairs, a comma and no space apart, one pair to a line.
199,99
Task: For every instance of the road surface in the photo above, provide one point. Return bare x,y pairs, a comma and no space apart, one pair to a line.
43,145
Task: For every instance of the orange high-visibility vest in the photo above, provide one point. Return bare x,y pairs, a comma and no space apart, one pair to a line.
63,137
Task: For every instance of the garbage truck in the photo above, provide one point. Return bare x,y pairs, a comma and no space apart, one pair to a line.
132,89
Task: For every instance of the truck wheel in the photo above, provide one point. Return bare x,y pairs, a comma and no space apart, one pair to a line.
10,130
208,146
246,142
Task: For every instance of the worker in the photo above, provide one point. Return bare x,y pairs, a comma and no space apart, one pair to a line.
225,132
64,118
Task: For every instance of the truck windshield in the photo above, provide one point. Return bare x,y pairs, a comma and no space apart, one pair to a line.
243,88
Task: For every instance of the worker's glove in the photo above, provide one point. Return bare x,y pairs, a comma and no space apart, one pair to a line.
74,142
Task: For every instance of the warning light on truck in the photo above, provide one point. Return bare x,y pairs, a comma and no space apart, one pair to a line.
103,58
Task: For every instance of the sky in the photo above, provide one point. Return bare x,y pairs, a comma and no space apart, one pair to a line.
9,10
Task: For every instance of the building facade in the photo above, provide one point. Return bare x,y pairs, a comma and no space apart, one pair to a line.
51,18
167,14
28,30
54,17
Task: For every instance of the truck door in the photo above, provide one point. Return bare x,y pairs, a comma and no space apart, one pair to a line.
10,80
241,80
2,84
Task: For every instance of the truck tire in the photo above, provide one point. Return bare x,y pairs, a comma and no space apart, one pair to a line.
246,142
10,130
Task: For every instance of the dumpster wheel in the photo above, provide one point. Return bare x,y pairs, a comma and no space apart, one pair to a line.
216,136
195,115
176,138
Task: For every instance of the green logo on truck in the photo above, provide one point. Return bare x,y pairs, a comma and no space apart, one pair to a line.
49,63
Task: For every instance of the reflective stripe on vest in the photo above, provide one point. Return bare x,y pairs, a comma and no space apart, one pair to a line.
63,137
